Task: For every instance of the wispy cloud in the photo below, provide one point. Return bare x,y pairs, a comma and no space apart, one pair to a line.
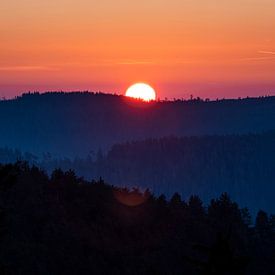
258,58
265,55
157,62
267,52
135,62
109,62
28,68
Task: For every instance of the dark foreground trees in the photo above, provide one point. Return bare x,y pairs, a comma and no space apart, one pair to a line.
65,225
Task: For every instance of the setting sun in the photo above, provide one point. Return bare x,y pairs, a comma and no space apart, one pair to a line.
141,91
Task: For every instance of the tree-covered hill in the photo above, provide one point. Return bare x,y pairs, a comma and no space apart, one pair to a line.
65,225
242,165
73,124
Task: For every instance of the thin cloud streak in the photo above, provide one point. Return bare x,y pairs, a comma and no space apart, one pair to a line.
135,62
255,58
267,52
258,58
28,68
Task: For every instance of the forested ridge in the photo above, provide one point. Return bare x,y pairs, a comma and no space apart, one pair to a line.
242,165
63,224
73,124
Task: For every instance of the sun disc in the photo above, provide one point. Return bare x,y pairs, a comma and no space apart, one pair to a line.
141,91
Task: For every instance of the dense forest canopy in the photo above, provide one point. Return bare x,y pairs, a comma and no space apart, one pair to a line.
73,124
63,224
242,165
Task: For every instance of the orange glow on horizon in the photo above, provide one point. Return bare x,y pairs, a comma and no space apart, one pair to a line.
183,46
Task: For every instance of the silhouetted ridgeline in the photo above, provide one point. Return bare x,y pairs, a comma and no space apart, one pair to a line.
206,166
76,123
65,225
243,166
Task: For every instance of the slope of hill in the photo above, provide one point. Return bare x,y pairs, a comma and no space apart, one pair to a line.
242,165
70,124
65,225
206,166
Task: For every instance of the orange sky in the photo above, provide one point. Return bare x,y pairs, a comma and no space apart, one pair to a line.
208,48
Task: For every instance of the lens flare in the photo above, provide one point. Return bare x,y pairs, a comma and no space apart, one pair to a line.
131,198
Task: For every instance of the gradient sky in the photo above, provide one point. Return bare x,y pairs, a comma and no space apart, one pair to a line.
208,48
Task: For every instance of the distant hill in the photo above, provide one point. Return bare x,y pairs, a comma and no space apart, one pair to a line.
206,166
242,165
71,124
